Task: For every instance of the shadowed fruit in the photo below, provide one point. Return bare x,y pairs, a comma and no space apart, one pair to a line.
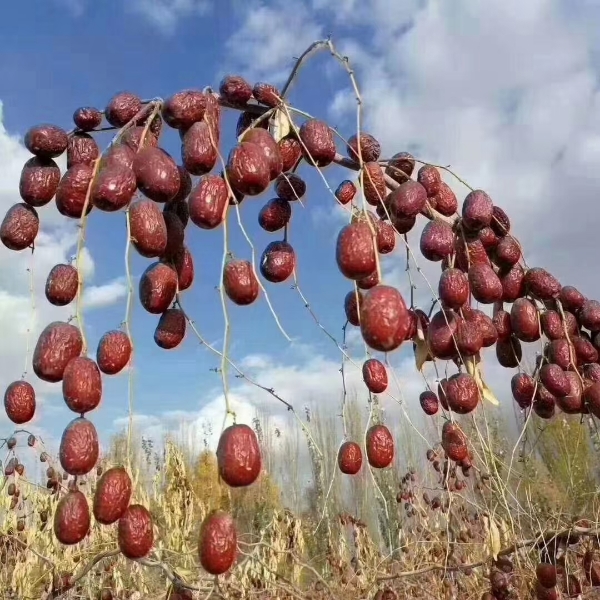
238,456
157,287
356,250
454,441
113,188
217,544
121,108
351,307
589,315
523,389
441,333
248,169
266,93
370,149
400,167
45,140
429,402
275,215
572,299
156,173
198,151
380,446
345,192
350,458
184,108
290,187
87,118
81,148
277,262
73,190
208,202
437,241
509,352
318,143
170,329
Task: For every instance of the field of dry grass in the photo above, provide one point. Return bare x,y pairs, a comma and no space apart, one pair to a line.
419,529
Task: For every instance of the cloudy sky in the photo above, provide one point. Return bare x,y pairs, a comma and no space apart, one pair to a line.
504,92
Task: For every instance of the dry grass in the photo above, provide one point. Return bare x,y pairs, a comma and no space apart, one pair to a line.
337,538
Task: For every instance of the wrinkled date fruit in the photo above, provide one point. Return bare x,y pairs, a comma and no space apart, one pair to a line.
19,402
453,288
485,285
238,456
240,282
265,141
407,200
81,148
429,402
345,192
72,518
235,90
79,449
266,94
157,287
217,544
62,284
291,152
524,320
350,458
184,108
523,389
19,227
375,376
277,262
374,186
290,187
198,151
454,442
380,446
248,170
114,351
46,141
148,228
183,263
356,250
319,144
170,329
208,202
157,174
275,215
384,318
400,167
113,188
121,108
39,181
370,149
441,335
112,495
462,393
72,191
437,241
135,532
351,307
87,118
82,385
58,343
541,284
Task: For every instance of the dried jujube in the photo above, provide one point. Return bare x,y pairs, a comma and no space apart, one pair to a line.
62,284
349,458
82,384
277,261
135,532
79,448
217,544
114,352
58,343
238,456
380,446
19,402
72,518
112,495
19,227
170,329
39,181
240,282
375,376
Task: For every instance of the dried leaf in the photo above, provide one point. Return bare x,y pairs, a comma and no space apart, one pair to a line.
279,125
421,349
473,366
494,538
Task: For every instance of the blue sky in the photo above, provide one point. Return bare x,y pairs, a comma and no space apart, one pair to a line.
505,93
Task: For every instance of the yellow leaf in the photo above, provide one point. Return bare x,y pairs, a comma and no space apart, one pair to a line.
473,366
494,538
421,350
279,125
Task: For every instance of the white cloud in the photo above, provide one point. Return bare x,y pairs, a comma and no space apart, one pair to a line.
165,15
100,296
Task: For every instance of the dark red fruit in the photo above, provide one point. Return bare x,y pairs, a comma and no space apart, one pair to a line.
384,318
39,181
589,315
375,376
114,352
184,108
318,143
79,449
345,192
217,544
175,235
57,345
523,389
485,324
62,284
235,90
370,149
275,215
380,446
555,380
238,456
356,250
350,458
46,141
386,237
453,288
240,282
135,532
485,285
277,262
441,335
400,167
462,393
502,324
444,201
454,441
112,495
170,329
73,190
477,210
500,222
19,402
157,287
82,385
121,108
19,227
541,284
430,178
248,169
469,338
509,352
351,307
72,518
572,403
572,299
267,94
157,174
81,148
513,283
290,186
113,188
524,320
407,200
208,202
429,402
437,241
183,263
265,141
508,252
291,152
198,151
374,186
87,118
